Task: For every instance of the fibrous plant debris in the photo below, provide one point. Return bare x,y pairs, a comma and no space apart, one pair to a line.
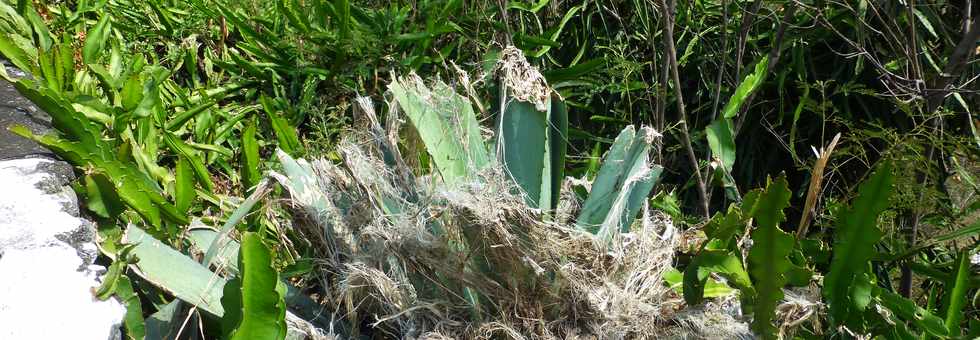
407,256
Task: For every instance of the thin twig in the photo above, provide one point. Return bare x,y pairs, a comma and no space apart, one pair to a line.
774,53
743,34
721,63
668,6
941,85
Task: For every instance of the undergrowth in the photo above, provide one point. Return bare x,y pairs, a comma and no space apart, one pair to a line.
571,169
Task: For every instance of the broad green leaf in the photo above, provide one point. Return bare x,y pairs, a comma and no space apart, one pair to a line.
201,240
745,88
174,272
557,146
138,191
236,217
178,121
343,11
522,147
73,125
101,197
110,281
11,21
285,7
132,93
447,125
150,98
532,149
20,51
231,301
722,142
925,22
712,288
263,308
95,39
768,262
726,263
854,239
165,323
622,185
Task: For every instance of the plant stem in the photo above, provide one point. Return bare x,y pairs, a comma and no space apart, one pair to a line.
668,7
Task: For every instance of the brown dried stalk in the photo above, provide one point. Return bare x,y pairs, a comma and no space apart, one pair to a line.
816,178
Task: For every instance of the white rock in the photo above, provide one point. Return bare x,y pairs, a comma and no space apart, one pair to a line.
46,254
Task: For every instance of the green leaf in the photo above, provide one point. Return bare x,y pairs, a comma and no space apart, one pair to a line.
521,147
557,146
250,157
133,320
768,262
557,30
908,310
24,59
165,323
174,272
854,239
95,40
726,263
11,21
184,193
532,148
231,301
925,22
186,152
70,123
285,133
110,281
178,121
263,308
447,125
745,88
722,142
712,288
533,8
622,185
101,197
956,289
133,187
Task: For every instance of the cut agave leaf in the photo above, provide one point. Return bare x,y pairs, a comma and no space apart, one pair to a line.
532,131
447,125
532,149
622,185
191,282
202,238
174,272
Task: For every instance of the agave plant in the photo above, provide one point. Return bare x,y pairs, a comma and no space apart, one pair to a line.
476,245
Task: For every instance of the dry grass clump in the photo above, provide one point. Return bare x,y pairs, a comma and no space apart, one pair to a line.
407,256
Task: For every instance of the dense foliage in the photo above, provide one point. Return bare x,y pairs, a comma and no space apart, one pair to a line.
172,112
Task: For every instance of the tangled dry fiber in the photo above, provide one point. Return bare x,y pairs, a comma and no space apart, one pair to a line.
412,257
